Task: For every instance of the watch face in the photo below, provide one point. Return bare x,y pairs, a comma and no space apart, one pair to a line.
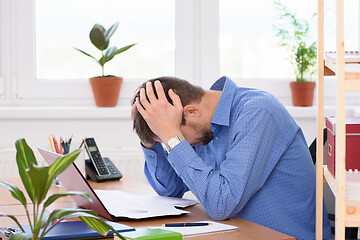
173,141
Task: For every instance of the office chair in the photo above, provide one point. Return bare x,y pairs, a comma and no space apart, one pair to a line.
350,232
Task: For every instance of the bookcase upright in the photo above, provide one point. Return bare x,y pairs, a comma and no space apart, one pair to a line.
347,209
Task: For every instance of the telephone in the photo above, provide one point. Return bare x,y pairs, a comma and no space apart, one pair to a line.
97,168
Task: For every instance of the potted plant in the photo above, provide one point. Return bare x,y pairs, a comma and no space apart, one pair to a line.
106,89
303,56
37,181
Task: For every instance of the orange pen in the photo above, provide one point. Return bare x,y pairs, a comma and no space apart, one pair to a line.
56,146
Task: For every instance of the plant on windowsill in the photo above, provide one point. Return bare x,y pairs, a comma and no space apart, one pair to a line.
106,89
37,181
303,56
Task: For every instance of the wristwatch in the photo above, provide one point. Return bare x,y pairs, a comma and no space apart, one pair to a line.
173,141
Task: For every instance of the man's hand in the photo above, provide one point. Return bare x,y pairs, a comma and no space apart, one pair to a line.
133,108
163,118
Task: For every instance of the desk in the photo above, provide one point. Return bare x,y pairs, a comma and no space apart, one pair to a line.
247,230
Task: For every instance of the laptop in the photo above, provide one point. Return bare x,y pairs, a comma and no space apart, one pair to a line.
111,204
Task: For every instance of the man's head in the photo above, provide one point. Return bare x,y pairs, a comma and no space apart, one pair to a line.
189,94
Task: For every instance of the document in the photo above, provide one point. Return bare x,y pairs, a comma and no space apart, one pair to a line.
122,204
213,228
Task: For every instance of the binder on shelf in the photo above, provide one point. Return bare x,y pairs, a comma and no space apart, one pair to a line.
352,143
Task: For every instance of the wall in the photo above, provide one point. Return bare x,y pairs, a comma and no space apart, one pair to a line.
111,127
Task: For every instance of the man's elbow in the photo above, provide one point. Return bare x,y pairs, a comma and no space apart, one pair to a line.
219,215
171,193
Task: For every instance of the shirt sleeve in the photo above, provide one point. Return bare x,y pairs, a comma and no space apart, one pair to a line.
253,153
160,174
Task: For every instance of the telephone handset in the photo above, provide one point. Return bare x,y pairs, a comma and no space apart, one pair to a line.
97,168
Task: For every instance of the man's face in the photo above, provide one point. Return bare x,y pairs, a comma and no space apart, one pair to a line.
196,134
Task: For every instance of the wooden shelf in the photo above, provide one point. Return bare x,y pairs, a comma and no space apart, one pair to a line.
352,69
346,67
352,195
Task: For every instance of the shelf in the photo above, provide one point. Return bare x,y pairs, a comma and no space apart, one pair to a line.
352,195
352,69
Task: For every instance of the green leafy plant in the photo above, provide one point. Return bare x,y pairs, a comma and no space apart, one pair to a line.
37,181
100,38
303,56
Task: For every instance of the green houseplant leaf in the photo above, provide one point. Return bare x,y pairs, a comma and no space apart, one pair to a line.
66,213
118,51
24,158
110,31
100,226
56,196
62,163
39,177
15,192
87,54
97,37
12,217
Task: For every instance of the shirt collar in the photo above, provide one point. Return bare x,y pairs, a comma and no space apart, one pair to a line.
222,111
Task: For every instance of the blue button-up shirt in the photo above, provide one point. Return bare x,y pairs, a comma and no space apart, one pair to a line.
257,167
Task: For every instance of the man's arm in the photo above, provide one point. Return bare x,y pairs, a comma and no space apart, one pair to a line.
246,166
160,174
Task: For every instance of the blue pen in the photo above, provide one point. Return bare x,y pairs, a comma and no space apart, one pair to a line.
186,224
66,151
69,142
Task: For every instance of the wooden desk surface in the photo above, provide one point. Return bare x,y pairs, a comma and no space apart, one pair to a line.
247,230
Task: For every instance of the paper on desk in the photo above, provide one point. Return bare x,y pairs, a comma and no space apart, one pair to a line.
121,204
177,202
215,227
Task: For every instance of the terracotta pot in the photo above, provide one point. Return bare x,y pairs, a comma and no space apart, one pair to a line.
106,90
302,93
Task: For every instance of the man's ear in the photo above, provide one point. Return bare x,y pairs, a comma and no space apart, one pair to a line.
191,111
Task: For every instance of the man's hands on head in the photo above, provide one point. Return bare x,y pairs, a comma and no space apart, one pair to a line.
163,118
133,109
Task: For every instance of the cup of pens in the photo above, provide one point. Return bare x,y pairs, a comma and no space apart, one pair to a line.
62,146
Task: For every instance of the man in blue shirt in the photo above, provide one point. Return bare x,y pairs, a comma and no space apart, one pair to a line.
236,149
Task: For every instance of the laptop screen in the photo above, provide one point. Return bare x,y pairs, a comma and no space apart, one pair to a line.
73,180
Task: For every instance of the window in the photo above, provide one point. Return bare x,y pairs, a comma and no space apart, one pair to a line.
49,71
351,25
62,25
248,48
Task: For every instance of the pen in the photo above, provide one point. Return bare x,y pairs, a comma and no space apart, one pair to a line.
82,143
63,144
69,142
56,146
61,148
186,224
51,144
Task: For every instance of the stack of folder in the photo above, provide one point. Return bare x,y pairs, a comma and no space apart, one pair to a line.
70,230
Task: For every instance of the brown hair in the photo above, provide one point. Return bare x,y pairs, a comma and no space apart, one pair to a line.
187,92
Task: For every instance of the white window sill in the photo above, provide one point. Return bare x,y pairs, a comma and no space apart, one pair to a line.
123,112
78,112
